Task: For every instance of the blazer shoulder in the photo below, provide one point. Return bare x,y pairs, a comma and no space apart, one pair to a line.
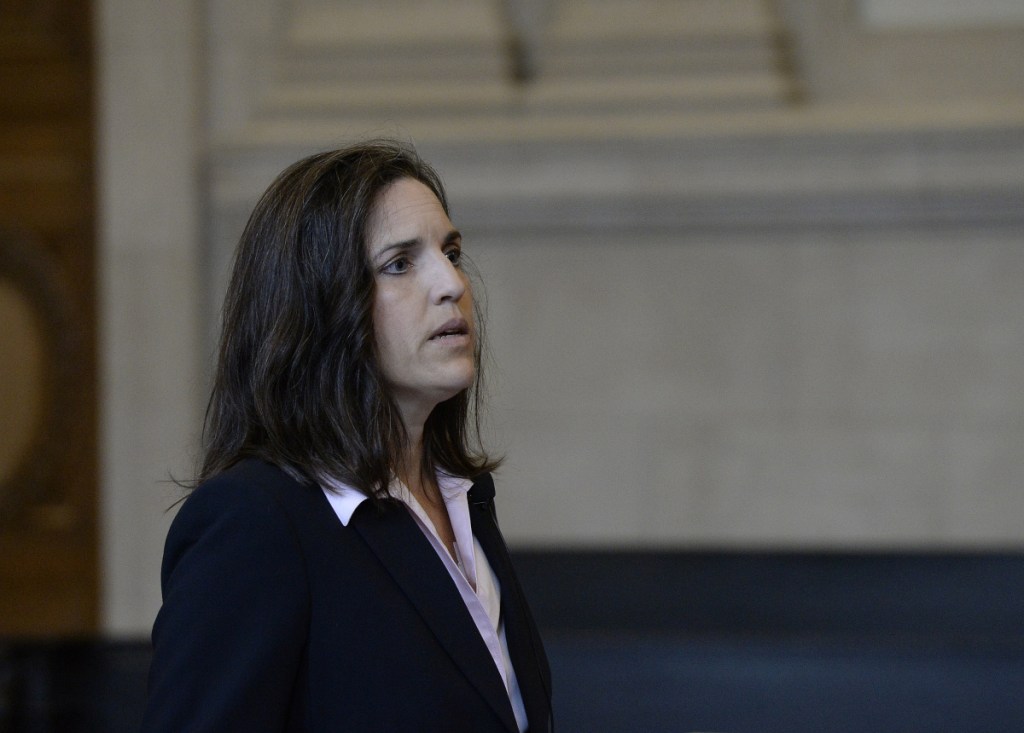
250,483
249,476
253,500
234,561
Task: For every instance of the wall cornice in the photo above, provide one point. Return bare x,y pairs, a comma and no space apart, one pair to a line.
823,168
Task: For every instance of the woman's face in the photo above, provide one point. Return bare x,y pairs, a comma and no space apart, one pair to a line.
423,307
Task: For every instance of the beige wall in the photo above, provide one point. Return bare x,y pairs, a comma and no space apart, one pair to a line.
821,388
717,320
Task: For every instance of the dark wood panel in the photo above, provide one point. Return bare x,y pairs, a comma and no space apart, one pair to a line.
48,515
42,89
45,29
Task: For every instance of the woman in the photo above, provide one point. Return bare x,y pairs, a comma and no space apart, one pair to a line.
338,567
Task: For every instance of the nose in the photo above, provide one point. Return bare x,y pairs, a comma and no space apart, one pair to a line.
448,282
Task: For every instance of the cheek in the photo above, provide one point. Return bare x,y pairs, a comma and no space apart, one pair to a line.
390,322
382,325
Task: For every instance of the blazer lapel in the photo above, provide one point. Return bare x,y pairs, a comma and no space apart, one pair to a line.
394,537
524,643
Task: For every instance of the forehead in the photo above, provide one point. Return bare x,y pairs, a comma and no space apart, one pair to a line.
402,210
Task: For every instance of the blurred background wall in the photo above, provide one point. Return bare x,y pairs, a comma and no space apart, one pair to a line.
753,268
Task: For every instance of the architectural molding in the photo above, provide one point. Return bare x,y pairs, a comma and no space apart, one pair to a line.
780,178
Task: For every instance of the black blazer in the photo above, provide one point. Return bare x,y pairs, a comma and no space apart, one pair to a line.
276,617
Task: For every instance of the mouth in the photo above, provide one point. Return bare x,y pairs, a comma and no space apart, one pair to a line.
455,328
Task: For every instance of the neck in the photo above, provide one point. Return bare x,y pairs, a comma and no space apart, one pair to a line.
424,487
411,470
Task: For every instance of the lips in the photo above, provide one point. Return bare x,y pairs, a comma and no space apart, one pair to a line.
454,327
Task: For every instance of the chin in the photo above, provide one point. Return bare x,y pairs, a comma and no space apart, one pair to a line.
460,389
458,386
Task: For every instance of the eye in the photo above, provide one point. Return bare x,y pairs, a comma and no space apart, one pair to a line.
454,255
397,266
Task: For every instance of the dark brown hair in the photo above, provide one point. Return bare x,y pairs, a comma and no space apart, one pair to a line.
298,382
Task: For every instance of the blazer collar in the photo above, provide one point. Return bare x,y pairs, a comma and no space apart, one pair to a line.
524,644
345,499
392,535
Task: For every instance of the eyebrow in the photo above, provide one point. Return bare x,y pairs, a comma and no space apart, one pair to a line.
452,236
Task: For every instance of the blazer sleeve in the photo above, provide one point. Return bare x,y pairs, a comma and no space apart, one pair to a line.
229,638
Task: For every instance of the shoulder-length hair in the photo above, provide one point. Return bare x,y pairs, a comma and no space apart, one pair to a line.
298,380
